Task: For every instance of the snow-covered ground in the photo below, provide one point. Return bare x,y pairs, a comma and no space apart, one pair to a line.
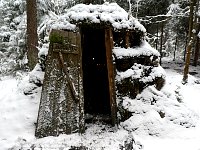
179,138
18,114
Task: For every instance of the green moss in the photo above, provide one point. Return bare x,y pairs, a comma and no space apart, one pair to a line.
56,38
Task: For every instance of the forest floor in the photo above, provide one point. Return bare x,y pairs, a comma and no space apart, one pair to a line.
179,138
18,112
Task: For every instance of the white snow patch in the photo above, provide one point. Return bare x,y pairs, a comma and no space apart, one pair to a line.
155,72
18,112
97,137
43,51
144,49
174,9
108,12
155,112
137,72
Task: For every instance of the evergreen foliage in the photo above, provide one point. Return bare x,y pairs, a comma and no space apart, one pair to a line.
12,36
13,31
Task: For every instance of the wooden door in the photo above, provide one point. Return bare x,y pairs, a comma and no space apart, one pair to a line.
61,107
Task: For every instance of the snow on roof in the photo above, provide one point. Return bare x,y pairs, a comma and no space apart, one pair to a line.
108,12
144,49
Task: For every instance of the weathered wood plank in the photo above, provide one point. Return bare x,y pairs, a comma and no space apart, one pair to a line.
80,86
111,79
66,51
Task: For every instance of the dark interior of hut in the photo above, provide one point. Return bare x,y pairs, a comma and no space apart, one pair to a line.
95,75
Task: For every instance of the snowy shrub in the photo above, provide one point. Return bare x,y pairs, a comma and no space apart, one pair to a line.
153,112
137,68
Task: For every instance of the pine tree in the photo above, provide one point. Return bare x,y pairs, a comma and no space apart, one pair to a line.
12,36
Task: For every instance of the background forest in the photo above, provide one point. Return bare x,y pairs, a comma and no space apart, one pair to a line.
164,119
167,24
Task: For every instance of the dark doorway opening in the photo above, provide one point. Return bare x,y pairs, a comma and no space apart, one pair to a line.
95,75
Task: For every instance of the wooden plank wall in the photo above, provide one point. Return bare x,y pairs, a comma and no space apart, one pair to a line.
59,111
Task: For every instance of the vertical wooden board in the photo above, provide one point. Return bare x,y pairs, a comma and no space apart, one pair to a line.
80,85
74,73
46,123
72,36
111,78
72,61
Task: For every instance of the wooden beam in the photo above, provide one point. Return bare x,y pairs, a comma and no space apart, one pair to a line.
111,78
127,40
80,85
69,80
66,51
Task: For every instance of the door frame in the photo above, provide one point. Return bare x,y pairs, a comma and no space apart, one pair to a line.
111,74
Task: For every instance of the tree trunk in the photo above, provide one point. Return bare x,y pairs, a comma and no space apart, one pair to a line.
176,45
186,41
161,41
32,37
197,27
190,42
157,37
196,53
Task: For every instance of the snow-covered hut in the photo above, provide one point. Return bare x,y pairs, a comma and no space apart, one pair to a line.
97,55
